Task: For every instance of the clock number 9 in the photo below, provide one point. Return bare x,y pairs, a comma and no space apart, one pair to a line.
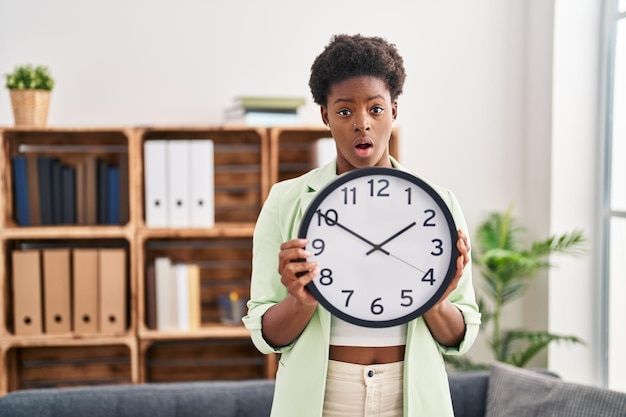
319,245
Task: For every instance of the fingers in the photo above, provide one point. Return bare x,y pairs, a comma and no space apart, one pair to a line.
463,246
291,251
295,271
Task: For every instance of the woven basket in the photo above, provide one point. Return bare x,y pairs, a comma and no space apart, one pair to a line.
30,107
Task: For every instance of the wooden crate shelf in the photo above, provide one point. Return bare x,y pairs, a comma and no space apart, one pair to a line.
247,161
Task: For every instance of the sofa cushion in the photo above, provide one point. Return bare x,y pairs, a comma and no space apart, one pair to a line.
190,399
515,392
468,390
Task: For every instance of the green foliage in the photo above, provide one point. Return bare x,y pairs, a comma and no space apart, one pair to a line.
507,270
28,77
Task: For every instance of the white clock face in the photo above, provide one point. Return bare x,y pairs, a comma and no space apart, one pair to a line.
385,243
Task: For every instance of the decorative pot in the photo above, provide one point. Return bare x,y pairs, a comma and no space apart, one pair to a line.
30,107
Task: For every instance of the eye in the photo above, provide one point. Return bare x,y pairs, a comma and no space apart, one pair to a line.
377,109
343,112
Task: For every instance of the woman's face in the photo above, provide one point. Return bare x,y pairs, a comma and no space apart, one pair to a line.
360,114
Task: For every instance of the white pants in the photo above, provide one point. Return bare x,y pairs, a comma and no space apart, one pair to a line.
363,390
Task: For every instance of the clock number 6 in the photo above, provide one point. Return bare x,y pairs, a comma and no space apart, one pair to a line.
377,308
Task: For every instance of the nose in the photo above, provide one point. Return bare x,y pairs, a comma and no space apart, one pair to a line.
361,124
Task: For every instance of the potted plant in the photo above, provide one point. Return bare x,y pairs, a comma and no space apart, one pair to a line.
30,88
507,269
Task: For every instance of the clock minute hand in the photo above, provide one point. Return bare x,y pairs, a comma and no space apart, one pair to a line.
332,222
379,246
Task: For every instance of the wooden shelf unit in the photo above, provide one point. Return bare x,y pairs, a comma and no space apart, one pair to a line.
247,161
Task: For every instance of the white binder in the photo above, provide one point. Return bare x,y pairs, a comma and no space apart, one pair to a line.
165,301
182,295
179,187
202,184
155,183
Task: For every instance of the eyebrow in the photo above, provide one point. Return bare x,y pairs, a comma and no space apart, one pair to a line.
348,100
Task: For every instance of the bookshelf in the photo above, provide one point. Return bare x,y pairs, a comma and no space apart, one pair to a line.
247,160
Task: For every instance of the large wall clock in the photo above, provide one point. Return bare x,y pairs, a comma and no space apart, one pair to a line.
385,243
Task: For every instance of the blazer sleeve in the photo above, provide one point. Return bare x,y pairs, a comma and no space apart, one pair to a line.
463,297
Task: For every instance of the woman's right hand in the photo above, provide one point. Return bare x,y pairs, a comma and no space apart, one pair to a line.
295,272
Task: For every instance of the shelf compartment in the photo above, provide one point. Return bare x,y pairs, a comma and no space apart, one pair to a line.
240,161
84,156
11,245
225,266
65,366
293,150
201,360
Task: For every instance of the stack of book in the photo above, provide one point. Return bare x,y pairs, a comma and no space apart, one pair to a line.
264,111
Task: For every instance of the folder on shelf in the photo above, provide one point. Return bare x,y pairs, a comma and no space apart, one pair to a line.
112,286
195,302
57,192
155,183
44,171
113,195
178,184
124,206
20,190
165,294
26,277
91,189
202,184
103,191
85,294
33,190
182,296
68,179
56,290
150,298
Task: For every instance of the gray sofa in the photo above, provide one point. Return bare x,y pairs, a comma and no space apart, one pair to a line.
502,392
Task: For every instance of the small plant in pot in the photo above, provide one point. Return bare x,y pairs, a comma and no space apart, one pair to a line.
30,88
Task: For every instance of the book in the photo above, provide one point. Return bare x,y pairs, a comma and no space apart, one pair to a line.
264,111
269,102
195,301
150,297
57,192
182,296
33,190
91,189
68,180
113,195
20,190
44,171
103,191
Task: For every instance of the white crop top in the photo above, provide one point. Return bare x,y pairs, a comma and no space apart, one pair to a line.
343,333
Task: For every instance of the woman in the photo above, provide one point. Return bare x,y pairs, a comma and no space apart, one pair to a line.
327,366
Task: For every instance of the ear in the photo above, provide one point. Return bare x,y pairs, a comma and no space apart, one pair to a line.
394,110
324,114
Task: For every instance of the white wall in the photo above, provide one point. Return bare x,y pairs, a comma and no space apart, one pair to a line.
474,116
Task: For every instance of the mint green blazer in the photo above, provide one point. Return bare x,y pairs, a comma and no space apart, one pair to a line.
301,376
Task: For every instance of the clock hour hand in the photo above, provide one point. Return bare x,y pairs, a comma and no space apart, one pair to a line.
332,222
380,245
